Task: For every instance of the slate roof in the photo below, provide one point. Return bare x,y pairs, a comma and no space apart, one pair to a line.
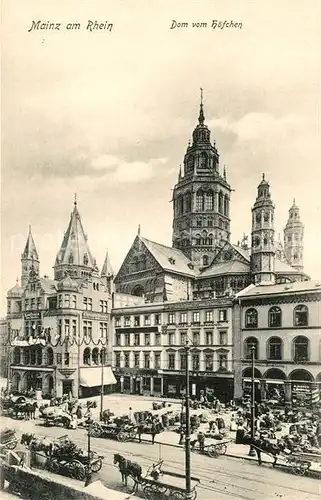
230,267
285,288
74,248
170,259
107,270
15,291
242,251
49,286
281,267
30,251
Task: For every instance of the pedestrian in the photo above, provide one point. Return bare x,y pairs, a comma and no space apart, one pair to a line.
181,436
201,440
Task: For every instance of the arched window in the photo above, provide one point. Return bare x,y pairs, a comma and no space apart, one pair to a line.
275,317
38,356
203,160
16,356
86,356
226,205
249,344
251,318
95,356
188,202
258,217
210,239
205,260
275,348
301,349
180,205
26,356
266,216
198,239
209,200
200,201
33,356
301,315
220,202
50,356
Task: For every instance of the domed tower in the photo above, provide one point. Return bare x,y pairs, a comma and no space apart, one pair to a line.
262,247
201,197
293,238
29,260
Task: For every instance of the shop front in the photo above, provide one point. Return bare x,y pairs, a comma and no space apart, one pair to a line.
210,383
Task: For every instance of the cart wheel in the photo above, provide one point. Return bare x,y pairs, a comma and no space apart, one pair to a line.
96,465
77,470
132,434
122,436
213,451
178,495
95,430
300,468
221,449
153,492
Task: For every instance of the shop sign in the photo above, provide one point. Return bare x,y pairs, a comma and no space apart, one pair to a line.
32,315
301,392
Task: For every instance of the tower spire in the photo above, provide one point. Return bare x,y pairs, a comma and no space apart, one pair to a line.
201,117
75,199
138,230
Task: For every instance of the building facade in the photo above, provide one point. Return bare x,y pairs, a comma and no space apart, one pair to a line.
149,342
58,328
283,323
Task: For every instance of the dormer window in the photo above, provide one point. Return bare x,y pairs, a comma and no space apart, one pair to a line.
171,260
190,265
86,259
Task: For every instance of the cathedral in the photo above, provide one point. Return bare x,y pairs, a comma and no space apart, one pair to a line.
203,262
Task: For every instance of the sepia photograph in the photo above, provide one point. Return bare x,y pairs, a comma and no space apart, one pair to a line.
160,308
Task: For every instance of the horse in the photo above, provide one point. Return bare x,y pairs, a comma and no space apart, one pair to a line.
152,428
27,409
264,445
128,469
35,443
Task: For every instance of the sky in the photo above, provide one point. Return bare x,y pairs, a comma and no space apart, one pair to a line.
108,115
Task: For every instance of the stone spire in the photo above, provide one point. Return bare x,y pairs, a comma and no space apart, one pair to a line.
107,270
74,256
201,118
293,238
29,260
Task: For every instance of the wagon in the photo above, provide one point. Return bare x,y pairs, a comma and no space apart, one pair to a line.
300,463
75,467
162,485
122,433
213,450
8,439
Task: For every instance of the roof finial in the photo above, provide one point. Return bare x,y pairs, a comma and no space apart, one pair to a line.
75,200
293,201
17,280
201,117
29,228
138,230
224,172
263,176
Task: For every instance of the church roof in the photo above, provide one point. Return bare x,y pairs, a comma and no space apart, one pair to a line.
281,267
74,249
107,270
170,259
243,251
30,251
231,267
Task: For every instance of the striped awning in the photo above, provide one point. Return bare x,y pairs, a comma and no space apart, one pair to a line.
91,377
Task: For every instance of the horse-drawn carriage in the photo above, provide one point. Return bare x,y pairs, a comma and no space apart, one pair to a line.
18,406
121,432
157,484
62,456
8,439
54,415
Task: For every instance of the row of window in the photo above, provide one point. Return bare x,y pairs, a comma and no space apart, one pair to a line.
204,202
171,361
94,356
36,356
300,317
66,301
274,348
184,318
69,328
138,339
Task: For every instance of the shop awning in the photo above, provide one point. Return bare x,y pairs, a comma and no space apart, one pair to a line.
91,377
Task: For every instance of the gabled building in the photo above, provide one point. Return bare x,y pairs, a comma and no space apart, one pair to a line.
59,328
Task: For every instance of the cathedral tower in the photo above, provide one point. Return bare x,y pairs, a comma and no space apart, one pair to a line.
293,238
29,260
201,198
262,248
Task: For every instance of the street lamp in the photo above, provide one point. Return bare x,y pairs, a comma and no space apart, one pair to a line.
252,450
102,383
187,427
89,421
